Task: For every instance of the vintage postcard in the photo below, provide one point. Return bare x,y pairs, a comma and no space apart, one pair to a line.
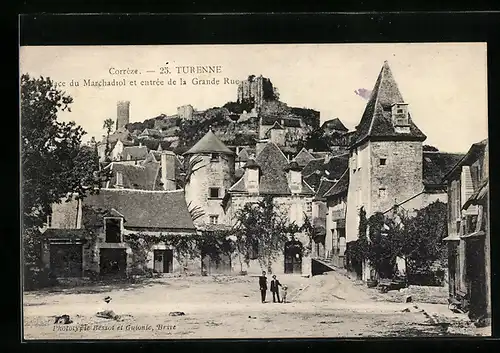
255,191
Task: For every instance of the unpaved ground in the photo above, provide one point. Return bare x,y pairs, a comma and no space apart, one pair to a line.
228,307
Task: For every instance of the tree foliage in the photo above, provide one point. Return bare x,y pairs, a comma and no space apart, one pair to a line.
108,126
315,140
262,231
53,160
418,239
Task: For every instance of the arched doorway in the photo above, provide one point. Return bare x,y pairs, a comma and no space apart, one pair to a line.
293,256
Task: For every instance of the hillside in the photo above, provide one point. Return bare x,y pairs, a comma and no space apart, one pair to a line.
236,123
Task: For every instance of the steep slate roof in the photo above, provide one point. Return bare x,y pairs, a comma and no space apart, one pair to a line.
469,157
209,144
324,185
245,154
313,166
334,124
332,170
135,152
320,154
146,209
304,157
437,164
339,187
151,132
273,177
141,177
376,120
314,179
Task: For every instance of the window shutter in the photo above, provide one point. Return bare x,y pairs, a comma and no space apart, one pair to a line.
467,190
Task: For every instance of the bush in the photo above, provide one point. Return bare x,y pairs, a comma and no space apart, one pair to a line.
37,277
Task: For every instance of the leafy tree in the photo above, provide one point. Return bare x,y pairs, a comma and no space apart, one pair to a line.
108,126
53,161
424,233
315,140
262,231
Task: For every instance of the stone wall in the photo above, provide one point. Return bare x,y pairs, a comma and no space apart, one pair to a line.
401,176
211,175
66,215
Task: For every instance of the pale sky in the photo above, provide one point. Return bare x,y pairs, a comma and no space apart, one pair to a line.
445,84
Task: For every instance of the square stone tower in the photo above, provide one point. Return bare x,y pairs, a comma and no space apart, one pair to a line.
385,162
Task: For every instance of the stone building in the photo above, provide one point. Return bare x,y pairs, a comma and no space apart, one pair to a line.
285,129
210,167
387,168
469,265
122,114
92,236
270,173
185,112
256,90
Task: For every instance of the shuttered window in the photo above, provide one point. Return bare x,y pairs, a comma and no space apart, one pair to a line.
467,190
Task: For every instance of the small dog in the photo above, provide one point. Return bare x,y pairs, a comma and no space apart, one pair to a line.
284,289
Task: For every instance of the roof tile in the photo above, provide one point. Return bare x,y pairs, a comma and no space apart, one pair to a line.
146,209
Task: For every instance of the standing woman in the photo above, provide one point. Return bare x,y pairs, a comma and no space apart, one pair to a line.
263,286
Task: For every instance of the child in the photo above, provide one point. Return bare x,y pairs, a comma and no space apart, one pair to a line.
284,289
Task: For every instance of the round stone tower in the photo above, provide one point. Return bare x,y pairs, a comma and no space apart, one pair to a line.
209,166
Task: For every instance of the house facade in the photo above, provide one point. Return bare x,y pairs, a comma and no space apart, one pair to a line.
271,174
99,234
469,232
386,168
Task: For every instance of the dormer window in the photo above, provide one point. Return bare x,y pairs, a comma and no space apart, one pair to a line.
113,229
400,120
119,179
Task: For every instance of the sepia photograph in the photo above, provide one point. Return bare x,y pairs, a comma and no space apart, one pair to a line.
254,191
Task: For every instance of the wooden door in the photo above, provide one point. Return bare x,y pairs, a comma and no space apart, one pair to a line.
158,260
293,257
66,260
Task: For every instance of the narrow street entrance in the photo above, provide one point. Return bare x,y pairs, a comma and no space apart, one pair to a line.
163,261
293,256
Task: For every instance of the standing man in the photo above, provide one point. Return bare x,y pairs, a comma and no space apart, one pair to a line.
263,286
275,284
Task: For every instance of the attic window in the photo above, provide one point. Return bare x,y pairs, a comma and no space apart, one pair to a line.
400,111
119,179
112,228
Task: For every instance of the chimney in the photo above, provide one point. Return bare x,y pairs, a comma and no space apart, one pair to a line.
168,170
119,180
252,176
122,114
328,156
294,177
